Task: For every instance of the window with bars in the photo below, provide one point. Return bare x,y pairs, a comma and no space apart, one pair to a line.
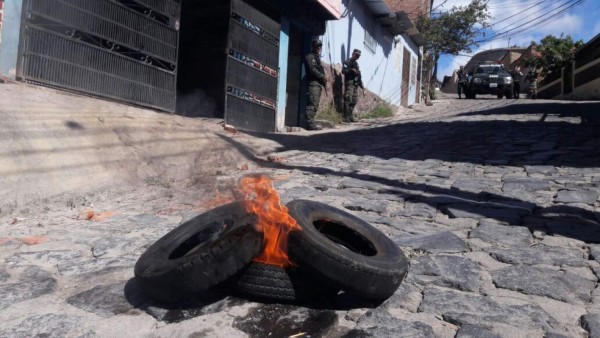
370,42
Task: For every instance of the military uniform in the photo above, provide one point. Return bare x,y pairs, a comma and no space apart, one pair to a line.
316,80
352,81
532,78
517,76
462,77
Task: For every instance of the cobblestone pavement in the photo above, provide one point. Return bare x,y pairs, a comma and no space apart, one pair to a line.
496,203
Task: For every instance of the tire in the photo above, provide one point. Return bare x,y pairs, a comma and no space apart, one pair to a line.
509,95
199,254
267,282
345,252
500,95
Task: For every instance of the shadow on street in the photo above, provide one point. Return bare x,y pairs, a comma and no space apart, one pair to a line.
497,142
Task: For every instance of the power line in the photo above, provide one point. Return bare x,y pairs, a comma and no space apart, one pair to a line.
519,13
547,20
532,23
513,4
537,12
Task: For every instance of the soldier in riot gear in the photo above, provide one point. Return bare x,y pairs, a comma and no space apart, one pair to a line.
316,81
352,81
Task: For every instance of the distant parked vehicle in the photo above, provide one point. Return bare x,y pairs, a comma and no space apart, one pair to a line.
490,78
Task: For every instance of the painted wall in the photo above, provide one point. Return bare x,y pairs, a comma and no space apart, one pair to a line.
284,42
413,85
382,66
9,46
1,15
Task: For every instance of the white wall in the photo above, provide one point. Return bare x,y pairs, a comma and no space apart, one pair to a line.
381,69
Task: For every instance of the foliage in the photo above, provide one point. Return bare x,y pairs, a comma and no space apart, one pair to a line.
382,110
452,32
329,114
552,54
456,30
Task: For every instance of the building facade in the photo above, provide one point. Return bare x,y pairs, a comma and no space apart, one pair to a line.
391,57
240,60
159,54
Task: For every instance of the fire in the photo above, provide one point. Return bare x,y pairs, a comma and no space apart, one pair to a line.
275,222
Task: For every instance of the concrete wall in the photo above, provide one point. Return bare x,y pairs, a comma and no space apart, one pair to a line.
591,89
582,82
9,35
382,67
53,143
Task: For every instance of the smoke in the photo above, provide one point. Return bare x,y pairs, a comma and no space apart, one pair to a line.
196,104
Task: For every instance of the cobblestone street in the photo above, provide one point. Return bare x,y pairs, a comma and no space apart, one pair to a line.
495,202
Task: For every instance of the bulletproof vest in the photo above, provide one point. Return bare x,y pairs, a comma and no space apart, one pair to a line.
350,76
313,60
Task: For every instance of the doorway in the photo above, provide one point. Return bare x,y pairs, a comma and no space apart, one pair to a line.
294,90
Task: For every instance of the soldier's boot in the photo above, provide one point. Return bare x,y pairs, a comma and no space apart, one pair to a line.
346,115
312,126
350,115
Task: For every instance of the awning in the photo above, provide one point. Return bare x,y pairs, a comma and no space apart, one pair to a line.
334,7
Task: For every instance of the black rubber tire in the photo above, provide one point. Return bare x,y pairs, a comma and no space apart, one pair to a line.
509,94
259,281
347,252
500,95
199,254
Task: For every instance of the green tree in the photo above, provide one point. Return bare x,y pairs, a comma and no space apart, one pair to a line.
551,55
451,32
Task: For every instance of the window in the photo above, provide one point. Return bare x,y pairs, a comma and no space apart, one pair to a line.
370,42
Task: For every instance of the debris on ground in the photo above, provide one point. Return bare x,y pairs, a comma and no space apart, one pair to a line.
91,215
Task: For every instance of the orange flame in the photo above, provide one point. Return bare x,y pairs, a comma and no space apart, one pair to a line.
274,220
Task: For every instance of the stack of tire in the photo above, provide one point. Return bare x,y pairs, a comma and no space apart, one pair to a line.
335,251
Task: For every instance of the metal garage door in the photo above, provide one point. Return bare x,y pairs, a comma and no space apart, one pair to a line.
252,69
120,49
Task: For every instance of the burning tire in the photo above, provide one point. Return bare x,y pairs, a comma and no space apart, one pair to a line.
345,251
263,281
199,253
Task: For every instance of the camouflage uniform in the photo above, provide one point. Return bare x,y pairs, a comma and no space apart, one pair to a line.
352,82
316,79
517,76
462,78
532,77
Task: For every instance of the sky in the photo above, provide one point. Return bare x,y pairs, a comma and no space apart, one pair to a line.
581,22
